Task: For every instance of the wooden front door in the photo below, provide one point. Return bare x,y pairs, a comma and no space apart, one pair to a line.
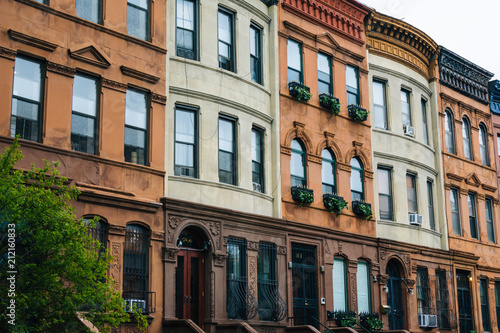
190,284
395,297
464,302
304,285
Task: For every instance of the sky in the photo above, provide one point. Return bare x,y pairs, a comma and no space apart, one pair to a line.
471,29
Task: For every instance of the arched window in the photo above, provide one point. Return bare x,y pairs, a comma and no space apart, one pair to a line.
98,232
328,172
357,189
483,145
298,164
135,267
449,132
466,138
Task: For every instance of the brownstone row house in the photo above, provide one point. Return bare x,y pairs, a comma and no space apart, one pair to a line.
267,192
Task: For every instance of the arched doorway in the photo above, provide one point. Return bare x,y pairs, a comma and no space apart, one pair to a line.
395,296
190,276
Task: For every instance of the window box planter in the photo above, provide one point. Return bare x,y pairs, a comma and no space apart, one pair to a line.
334,203
357,113
371,322
329,102
302,195
345,318
299,91
363,209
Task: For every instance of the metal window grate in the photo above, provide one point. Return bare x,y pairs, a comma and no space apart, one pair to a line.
272,307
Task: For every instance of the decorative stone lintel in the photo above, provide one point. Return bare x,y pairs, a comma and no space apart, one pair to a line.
30,40
314,159
158,235
281,250
160,99
169,254
369,174
116,230
343,166
286,150
7,53
382,279
139,75
410,282
219,259
61,69
253,246
118,86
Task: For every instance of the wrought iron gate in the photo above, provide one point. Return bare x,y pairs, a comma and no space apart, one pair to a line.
464,302
395,297
305,300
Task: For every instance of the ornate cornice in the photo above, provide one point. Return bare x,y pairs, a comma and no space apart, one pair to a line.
118,86
397,39
30,40
342,17
60,69
463,76
139,75
90,55
7,53
160,99
494,91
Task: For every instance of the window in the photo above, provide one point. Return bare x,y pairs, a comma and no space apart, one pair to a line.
498,152
42,1
328,172
26,115
430,198
256,53
483,144
135,267
442,300
186,139
294,59
423,293
455,212
423,104
363,286
225,28
298,164
186,29
237,279
379,104
405,107
497,302
485,308
98,233
227,151
466,138
339,285
324,74
490,227
411,193
138,18
84,116
136,127
89,10
352,85
357,188
449,130
385,193
471,202
258,160
268,294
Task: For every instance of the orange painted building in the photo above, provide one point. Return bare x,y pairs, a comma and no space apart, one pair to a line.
471,190
85,86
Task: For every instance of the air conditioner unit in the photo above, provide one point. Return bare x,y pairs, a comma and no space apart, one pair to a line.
130,304
257,187
416,219
426,320
408,130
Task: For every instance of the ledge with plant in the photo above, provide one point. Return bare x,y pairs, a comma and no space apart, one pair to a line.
334,203
330,102
302,195
371,322
345,318
363,209
299,91
357,113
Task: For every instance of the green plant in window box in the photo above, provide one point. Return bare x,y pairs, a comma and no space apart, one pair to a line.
371,322
299,91
329,102
357,113
363,209
345,318
302,195
334,203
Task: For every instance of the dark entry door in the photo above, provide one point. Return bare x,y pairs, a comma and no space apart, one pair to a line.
395,297
305,300
464,302
190,286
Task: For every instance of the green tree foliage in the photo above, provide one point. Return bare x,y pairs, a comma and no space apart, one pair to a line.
59,273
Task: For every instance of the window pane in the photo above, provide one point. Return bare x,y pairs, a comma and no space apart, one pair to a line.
88,10
383,181
226,135
297,166
489,221
135,109
424,120
471,202
466,139
137,20
256,146
184,155
184,126
294,55
455,212
27,79
385,195
449,128
379,104
339,285
363,286
483,145
351,77
430,198
185,14
411,193
85,95
327,173
405,107
224,27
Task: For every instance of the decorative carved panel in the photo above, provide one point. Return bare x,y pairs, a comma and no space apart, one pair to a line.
212,294
281,250
115,266
354,298
107,83
170,254
160,99
253,246
7,53
219,259
60,69
252,275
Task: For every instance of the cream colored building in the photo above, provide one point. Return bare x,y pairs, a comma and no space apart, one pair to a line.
409,206
212,45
